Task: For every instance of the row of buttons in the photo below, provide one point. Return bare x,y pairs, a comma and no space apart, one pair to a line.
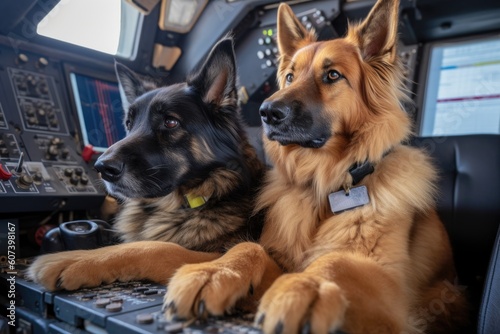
119,296
314,20
76,176
8,146
32,85
270,53
39,115
53,147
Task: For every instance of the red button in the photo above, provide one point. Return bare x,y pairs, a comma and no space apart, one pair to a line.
4,174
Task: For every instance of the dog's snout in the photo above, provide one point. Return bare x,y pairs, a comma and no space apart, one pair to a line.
273,113
111,169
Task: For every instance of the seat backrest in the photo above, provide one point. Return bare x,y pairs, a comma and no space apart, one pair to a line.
489,314
468,202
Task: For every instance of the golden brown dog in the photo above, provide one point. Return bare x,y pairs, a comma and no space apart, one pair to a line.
376,264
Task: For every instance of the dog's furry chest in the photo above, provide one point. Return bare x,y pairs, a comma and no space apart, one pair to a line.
302,238
290,224
298,229
196,229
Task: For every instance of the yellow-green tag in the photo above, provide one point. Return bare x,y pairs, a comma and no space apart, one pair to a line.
195,201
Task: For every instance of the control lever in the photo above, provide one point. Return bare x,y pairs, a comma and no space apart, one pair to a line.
78,234
19,167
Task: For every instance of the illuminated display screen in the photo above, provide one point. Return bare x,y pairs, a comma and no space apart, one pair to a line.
462,93
99,109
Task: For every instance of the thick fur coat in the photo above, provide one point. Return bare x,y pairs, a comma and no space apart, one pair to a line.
382,267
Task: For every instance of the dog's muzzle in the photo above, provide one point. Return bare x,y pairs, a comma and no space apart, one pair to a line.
289,123
111,169
274,113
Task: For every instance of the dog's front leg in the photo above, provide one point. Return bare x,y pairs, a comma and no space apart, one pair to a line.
336,291
152,260
214,287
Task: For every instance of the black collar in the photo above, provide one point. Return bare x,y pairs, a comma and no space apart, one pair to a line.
359,170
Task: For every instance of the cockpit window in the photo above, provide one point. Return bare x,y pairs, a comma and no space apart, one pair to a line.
109,26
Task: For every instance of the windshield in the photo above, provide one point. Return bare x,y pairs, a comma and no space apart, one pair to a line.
109,26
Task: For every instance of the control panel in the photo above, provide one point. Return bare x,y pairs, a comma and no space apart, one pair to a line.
258,52
120,307
37,101
41,167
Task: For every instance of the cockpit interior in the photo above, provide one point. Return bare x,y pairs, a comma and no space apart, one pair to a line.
61,107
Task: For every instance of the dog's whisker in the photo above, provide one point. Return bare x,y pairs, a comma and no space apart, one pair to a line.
154,183
158,167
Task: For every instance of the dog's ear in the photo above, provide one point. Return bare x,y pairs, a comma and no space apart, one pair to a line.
376,36
132,85
292,35
216,80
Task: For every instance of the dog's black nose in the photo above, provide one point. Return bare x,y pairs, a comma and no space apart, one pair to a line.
273,113
111,169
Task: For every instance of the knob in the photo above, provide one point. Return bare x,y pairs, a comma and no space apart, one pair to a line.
31,80
64,153
52,152
68,172
74,180
22,86
22,59
30,112
42,62
43,88
56,141
24,181
79,171
38,177
84,180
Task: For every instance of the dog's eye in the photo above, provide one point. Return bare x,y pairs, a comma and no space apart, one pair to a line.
333,76
171,123
128,124
289,77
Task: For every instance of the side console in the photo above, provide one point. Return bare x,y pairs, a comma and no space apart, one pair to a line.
41,162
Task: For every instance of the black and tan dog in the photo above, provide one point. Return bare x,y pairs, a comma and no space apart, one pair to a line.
186,174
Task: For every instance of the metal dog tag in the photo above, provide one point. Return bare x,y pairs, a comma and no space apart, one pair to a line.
340,201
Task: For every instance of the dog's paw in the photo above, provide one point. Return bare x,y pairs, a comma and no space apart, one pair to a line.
68,270
198,290
301,303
